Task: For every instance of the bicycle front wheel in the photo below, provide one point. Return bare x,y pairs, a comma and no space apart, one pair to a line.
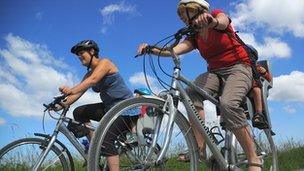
23,154
139,138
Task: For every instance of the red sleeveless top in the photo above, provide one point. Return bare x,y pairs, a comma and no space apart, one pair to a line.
222,49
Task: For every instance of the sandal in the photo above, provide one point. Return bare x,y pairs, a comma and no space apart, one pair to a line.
259,121
183,157
260,165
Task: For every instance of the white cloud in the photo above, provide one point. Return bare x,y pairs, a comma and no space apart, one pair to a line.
270,48
30,52
289,109
2,121
138,80
288,88
87,98
117,8
108,13
39,15
210,113
277,16
29,76
6,76
17,102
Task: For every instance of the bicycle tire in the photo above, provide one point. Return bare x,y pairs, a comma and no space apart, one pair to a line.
265,148
41,144
100,132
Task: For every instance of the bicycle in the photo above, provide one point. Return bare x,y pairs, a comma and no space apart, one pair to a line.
165,116
44,152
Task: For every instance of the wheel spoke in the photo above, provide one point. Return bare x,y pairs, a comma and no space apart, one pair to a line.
137,137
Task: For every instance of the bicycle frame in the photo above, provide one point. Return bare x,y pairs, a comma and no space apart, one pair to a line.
61,127
178,91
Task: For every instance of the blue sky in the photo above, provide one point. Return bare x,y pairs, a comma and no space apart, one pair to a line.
36,37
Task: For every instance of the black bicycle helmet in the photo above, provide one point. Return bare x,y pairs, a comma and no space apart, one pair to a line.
85,45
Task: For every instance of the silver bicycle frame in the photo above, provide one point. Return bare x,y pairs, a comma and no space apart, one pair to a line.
61,127
177,91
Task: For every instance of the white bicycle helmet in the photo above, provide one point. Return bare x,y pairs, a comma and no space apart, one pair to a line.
203,3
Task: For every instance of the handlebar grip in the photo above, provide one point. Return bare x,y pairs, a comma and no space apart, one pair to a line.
46,107
148,50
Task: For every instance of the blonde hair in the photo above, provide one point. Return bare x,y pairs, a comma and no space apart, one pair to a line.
192,6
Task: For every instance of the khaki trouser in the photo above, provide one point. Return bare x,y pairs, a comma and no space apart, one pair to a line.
232,84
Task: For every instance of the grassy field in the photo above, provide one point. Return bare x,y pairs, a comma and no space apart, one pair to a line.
290,159
290,156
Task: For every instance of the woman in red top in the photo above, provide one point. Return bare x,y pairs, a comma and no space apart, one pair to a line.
229,72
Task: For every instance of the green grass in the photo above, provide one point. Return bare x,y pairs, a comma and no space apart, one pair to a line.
290,157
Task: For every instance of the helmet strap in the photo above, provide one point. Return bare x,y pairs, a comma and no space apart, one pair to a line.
90,63
193,17
188,15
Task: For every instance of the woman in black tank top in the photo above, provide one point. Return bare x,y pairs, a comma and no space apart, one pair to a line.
102,77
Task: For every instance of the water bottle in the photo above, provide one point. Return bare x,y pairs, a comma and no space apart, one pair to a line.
86,145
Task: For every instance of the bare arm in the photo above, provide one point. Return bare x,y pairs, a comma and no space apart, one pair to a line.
182,48
223,21
219,22
102,69
74,97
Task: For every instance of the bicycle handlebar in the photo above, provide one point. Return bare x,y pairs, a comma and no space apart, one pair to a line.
57,100
188,30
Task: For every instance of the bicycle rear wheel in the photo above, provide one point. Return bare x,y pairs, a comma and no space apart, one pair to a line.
22,155
265,149
140,141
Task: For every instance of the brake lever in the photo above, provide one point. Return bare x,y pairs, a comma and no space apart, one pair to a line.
148,50
57,100
46,107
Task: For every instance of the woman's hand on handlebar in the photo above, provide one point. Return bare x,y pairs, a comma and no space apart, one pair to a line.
56,108
142,49
57,104
65,90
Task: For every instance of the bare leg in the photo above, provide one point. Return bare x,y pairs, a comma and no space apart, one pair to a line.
91,133
113,163
257,97
246,141
199,137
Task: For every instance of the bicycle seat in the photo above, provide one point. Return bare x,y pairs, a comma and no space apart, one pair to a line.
265,86
266,65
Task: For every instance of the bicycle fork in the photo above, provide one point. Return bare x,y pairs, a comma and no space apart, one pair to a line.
45,152
168,133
